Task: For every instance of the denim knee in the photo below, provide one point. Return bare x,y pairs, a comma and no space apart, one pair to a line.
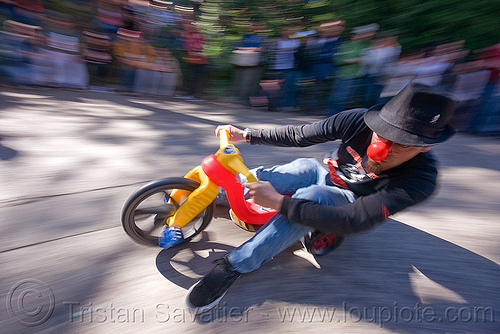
297,174
297,166
325,195
311,163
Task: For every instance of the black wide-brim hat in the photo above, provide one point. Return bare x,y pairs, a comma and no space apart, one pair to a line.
416,116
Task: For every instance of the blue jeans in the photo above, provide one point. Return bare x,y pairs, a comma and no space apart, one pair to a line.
304,179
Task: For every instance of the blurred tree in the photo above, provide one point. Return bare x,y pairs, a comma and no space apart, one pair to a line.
418,21
423,21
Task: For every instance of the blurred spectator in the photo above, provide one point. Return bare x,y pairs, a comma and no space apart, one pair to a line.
456,54
196,62
437,62
29,11
401,73
40,59
269,94
168,74
305,75
15,45
97,53
157,15
282,67
488,122
65,52
162,75
377,61
247,59
323,49
6,9
349,58
468,88
109,15
170,36
131,52
130,19
432,66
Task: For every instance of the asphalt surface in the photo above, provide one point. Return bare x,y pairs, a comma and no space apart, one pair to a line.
70,159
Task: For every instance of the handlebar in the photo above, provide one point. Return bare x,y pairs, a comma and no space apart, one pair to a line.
222,168
224,136
229,156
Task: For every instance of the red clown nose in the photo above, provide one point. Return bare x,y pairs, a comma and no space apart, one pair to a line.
379,150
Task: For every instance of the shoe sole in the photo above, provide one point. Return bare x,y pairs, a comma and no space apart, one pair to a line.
201,309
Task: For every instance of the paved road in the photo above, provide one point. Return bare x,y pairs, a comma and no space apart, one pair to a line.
69,159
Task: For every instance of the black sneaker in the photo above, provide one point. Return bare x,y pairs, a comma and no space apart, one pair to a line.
207,292
319,243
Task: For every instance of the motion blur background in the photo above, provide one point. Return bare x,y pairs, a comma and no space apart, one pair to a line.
318,57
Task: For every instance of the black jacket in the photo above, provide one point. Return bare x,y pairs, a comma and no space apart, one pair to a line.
379,196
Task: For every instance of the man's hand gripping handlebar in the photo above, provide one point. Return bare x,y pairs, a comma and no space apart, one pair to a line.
262,192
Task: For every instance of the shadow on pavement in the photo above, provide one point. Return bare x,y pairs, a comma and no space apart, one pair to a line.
185,264
397,277
6,153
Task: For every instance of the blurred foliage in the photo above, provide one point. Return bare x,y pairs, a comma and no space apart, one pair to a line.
421,22
418,22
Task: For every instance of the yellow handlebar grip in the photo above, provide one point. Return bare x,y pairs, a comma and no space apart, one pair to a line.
230,157
250,177
224,138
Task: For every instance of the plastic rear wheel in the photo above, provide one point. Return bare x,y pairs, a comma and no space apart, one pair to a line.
145,212
320,244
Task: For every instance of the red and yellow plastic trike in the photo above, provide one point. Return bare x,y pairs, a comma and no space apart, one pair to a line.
172,211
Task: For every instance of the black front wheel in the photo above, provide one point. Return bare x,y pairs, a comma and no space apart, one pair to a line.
145,212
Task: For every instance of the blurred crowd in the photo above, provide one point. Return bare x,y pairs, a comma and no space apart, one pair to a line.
50,48
156,48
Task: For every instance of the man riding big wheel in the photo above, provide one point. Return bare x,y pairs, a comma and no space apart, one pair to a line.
382,166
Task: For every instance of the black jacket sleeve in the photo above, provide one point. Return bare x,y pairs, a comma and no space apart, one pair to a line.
365,212
340,126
